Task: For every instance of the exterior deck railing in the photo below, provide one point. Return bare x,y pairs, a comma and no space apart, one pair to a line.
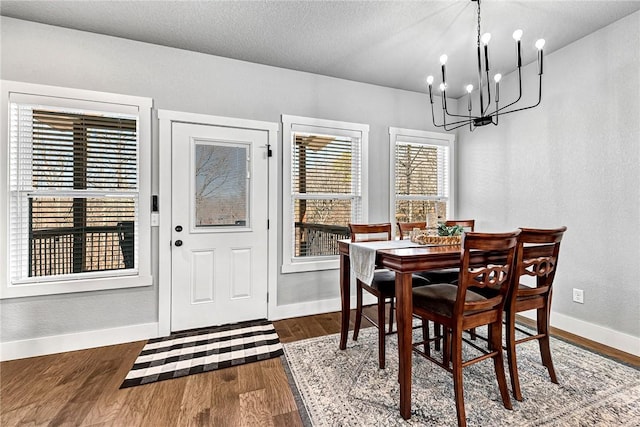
318,239
66,250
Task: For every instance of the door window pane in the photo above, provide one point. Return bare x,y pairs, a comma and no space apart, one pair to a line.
221,184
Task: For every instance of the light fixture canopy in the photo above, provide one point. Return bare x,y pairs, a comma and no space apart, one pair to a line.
482,116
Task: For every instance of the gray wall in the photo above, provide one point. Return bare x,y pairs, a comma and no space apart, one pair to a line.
574,161
191,82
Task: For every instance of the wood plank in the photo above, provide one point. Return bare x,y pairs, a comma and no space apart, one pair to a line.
82,387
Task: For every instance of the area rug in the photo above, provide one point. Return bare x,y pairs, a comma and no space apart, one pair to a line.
346,388
202,350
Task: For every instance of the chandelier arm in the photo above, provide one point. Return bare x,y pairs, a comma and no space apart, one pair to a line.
456,124
519,91
524,108
488,95
446,110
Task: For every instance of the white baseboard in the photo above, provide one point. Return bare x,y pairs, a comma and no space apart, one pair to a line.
77,341
314,307
600,334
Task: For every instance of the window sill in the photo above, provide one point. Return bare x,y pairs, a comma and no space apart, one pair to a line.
72,286
302,266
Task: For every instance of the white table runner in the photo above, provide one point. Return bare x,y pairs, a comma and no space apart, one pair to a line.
362,256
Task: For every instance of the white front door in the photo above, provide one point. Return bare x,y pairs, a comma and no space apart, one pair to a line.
219,225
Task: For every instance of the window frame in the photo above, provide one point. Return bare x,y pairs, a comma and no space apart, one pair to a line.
291,264
80,282
427,138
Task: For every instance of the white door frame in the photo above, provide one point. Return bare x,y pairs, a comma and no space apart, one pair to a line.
167,118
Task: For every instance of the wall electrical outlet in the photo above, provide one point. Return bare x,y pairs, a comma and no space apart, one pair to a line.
578,295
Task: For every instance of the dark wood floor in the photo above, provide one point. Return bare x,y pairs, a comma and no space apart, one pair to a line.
81,388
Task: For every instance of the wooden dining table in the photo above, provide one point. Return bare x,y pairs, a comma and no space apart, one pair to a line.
404,262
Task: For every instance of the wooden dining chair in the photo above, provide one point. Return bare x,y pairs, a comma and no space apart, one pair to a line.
487,261
404,228
383,286
536,256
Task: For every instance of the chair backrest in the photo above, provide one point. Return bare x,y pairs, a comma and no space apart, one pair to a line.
537,256
404,228
488,261
370,232
466,223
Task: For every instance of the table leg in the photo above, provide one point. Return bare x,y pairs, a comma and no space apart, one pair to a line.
345,297
404,306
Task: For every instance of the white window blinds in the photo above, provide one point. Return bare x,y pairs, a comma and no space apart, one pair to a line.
421,182
74,191
324,189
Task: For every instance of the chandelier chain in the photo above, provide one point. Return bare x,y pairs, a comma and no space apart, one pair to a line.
478,23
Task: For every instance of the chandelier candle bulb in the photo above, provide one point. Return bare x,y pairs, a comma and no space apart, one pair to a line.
497,78
517,36
539,46
443,61
485,41
469,90
430,83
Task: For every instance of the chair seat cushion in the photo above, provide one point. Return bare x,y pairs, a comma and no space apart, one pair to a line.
440,298
385,282
446,275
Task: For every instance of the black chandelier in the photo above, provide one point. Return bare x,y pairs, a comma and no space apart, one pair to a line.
483,116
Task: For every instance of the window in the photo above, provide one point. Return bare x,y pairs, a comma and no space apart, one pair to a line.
421,176
76,191
324,189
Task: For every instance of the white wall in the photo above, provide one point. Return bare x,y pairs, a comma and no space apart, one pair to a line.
191,82
574,161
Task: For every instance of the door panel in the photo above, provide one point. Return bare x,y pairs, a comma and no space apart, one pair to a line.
220,199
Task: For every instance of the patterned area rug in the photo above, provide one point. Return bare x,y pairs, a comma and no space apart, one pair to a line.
346,388
202,350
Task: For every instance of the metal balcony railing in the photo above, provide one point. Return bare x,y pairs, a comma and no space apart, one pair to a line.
318,239
66,250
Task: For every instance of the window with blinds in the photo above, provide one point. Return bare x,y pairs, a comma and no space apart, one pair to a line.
324,188
74,191
421,177
325,179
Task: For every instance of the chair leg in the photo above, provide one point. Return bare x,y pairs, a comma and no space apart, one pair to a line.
512,355
498,362
446,346
457,375
358,321
472,334
426,337
543,342
381,334
437,333
391,315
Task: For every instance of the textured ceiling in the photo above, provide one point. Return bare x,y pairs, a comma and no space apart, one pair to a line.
388,43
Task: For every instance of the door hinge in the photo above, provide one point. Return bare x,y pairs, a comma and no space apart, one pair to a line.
269,151
267,296
267,224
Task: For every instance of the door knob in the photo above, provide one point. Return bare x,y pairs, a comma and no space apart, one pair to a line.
178,243
178,228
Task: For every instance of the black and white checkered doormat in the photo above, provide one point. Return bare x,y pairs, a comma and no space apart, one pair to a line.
202,350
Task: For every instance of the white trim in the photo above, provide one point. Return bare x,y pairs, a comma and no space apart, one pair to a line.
332,127
434,138
315,307
93,99
600,334
76,341
166,119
